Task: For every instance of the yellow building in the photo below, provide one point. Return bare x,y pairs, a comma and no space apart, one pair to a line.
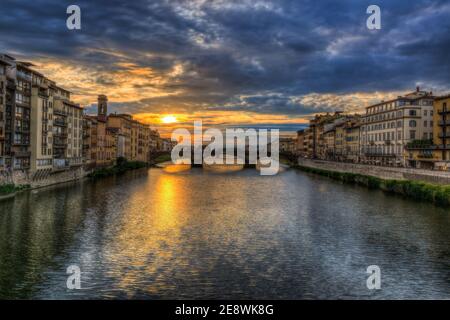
122,123
441,127
433,154
351,141
330,143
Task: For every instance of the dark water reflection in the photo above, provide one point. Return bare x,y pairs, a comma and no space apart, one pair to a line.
202,234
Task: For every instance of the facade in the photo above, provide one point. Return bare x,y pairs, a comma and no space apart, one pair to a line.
301,143
122,124
18,128
7,108
288,145
67,131
89,141
330,143
318,126
441,127
352,140
433,154
389,126
42,93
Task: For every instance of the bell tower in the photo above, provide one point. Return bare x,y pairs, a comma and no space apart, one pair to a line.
102,106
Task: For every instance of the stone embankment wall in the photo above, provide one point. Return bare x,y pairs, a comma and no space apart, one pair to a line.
41,179
435,177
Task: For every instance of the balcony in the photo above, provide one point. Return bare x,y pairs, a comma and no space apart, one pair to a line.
21,154
60,122
60,112
442,112
59,143
21,143
379,154
444,135
60,164
444,123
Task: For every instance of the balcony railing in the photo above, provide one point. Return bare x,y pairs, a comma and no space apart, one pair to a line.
60,112
60,164
21,154
60,122
444,123
442,112
379,154
444,135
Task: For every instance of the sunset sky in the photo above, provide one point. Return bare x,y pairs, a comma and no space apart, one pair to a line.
250,63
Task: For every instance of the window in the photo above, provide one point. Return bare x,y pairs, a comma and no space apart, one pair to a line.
425,123
412,134
412,123
412,112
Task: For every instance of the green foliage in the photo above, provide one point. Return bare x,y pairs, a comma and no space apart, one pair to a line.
419,144
163,158
437,194
122,165
11,188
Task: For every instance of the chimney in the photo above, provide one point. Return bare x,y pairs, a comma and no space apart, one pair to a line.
418,88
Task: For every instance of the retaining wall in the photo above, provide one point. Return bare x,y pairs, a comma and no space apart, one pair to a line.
435,177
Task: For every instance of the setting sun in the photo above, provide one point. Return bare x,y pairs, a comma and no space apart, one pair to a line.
169,119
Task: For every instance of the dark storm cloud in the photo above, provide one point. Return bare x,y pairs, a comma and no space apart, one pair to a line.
266,51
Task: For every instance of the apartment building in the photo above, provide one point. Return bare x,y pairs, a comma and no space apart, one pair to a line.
122,123
351,147
329,137
89,141
154,138
18,118
301,143
340,138
287,145
318,127
441,121
7,107
435,154
389,126
42,93
67,131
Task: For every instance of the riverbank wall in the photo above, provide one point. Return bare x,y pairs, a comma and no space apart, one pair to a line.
401,182
386,173
43,178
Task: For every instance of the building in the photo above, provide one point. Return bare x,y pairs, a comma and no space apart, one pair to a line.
318,126
67,131
351,143
389,126
89,141
288,145
18,118
329,137
302,149
7,109
441,127
42,94
433,154
122,123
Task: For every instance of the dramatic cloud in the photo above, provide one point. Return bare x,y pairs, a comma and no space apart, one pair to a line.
277,62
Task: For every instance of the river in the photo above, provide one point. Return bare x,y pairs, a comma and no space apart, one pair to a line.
192,234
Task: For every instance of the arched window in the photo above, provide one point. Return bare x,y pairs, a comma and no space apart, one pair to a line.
412,123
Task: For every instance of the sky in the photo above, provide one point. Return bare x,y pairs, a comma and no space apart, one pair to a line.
249,63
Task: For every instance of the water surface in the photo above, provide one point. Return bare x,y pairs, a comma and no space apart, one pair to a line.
194,233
